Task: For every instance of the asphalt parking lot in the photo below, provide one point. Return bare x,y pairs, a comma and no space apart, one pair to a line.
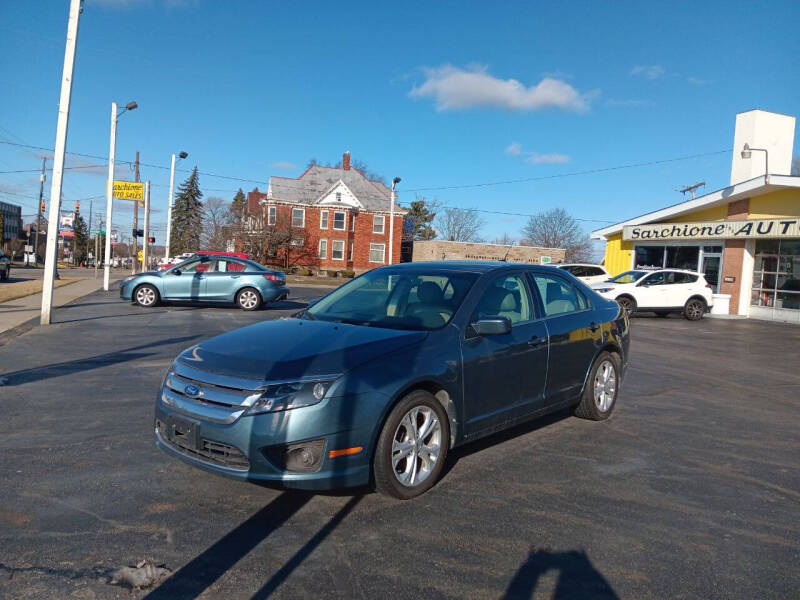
690,490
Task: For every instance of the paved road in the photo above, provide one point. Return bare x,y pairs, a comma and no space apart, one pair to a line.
22,274
690,490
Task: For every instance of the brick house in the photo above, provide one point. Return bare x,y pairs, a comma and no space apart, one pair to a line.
338,218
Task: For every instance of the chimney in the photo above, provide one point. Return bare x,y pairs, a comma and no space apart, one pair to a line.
346,160
762,129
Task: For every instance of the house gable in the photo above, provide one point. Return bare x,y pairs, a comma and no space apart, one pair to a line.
339,195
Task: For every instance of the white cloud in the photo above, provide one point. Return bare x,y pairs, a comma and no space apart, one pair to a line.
547,159
698,81
514,149
453,88
648,71
284,165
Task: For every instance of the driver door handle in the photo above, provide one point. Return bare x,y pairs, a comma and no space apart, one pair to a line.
536,341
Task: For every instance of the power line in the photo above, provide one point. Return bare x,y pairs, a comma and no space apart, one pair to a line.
50,169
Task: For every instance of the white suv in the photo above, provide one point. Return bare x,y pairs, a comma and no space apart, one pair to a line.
587,273
662,291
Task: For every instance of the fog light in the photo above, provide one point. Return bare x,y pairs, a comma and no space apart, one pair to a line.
305,457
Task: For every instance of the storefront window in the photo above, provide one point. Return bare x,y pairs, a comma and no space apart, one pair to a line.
649,256
683,257
776,274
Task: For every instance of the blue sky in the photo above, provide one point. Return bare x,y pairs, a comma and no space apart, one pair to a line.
441,94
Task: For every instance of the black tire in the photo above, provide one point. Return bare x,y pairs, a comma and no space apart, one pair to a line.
694,309
590,407
387,478
627,304
248,299
662,313
146,295
6,274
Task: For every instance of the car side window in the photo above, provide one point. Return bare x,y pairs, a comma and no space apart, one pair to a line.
234,266
654,279
594,271
506,297
684,278
558,296
196,266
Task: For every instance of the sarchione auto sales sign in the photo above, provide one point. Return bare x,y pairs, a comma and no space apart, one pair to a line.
787,227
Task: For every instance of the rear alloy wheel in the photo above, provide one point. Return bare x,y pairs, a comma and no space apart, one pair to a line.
695,309
412,447
146,295
627,304
248,299
600,393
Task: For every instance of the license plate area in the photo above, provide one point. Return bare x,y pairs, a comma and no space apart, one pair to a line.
183,433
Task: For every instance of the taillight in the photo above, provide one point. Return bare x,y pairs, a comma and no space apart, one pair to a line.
708,285
273,277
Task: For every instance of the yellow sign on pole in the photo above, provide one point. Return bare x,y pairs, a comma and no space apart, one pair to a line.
129,190
141,255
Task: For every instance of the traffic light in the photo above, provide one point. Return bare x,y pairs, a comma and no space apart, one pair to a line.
77,206
138,233
41,208
151,240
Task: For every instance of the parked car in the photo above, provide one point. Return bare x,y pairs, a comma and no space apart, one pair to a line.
165,264
5,267
586,272
661,291
208,279
379,379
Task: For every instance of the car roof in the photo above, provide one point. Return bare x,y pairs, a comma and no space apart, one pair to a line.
475,266
562,265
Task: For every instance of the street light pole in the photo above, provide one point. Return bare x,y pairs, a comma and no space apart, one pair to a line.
746,153
146,240
42,179
58,159
110,196
171,198
395,181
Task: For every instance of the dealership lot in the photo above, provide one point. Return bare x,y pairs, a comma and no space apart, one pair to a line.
690,489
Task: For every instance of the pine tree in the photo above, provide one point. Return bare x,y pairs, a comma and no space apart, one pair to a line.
238,206
80,240
187,217
418,219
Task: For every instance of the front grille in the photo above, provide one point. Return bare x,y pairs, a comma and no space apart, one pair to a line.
205,400
209,451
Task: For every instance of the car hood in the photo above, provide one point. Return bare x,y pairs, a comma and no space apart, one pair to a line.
604,285
291,348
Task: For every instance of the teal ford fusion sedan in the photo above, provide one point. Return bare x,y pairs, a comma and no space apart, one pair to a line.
380,378
208,278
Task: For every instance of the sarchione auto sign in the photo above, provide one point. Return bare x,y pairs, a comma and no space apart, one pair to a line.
787,227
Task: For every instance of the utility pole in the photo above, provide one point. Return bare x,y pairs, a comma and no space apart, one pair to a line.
110,196
42,179
91,202
75,9
395,181
146,240
97,245
135,216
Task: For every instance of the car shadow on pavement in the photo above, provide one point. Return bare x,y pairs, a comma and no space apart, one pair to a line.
577,577
191,580
454,455
85,364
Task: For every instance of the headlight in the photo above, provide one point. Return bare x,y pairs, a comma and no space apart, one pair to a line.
128,278
292,394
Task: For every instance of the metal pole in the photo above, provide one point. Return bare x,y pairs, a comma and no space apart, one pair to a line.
96,246
391,225
135,252
169,205
91,205
110,196
58,159
42,179
146,241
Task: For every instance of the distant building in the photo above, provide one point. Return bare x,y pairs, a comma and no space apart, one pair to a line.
339,219
12,219
444,250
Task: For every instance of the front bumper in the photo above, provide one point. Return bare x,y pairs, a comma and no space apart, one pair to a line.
245,448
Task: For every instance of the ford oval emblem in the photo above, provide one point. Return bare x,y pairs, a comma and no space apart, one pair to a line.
192,391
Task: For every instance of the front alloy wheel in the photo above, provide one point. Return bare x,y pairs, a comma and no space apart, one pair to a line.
412,447
146,295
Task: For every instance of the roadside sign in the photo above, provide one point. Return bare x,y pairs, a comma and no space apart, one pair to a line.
141,255
129,190
545,260
28,248
98,231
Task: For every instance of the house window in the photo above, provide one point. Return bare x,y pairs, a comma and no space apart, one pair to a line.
298,242
339,220
272,215
377,224
323,219
298,217
323,248
337,250
338,196
351,252
353,222
377,253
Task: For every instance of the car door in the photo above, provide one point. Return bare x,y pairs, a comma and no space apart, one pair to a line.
651,291
504,375
187,280
223,278
574,332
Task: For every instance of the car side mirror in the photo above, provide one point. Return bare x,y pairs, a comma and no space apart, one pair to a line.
176,272
492,326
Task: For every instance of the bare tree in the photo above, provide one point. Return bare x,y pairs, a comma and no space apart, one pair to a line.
216,217
556,228
506,240
279,243
459,225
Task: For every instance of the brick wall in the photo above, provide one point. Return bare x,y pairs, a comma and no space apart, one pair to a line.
733,256
444,250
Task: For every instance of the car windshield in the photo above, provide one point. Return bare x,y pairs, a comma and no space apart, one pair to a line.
413,299
628,277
